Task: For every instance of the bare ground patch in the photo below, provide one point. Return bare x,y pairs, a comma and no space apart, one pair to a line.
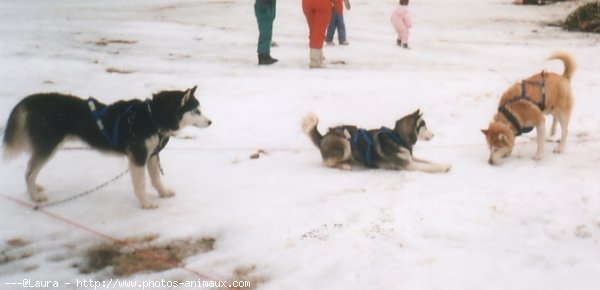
13,251
119,70
248,275
142,255
106,41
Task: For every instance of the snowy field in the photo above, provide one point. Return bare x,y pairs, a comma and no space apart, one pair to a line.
284,221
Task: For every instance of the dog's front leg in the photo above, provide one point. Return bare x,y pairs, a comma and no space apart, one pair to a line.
428,167
138,177
420,160
154,172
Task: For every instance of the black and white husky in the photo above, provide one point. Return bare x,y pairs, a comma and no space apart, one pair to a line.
385,148
135,128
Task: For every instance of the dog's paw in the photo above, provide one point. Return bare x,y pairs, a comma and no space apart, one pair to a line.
537,157
149,205
166,193
446,167
38,197
557,150
345,167
39,188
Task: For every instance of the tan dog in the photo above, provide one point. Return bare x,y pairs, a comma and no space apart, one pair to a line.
523,106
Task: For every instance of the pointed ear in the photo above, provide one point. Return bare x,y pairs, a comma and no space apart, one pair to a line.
186,96
193,90
484,131
417,113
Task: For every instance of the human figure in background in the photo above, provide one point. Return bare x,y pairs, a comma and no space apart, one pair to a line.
337,22
317,13
402,22
265,15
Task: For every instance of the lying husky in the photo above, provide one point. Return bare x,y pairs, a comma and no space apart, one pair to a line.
385,148
135,128
523,105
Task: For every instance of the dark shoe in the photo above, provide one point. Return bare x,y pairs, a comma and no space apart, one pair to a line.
405,46
398,42
265,59
329,42
344,43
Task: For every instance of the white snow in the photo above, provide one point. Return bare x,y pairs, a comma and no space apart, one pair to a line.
522,225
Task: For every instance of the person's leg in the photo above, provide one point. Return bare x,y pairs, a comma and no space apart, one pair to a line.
265,28
331,28
341,30
265,15
322,14
404,33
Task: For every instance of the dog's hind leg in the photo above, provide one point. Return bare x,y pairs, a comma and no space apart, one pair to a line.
154,172
138,177
43,149
563,119
554,122
35,164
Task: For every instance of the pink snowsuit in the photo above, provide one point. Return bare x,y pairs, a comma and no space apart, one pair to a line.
402,22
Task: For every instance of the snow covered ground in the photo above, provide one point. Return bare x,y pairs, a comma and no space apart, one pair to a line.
286,219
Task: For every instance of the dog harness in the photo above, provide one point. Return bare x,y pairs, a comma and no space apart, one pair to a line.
362,144
523,97
113,138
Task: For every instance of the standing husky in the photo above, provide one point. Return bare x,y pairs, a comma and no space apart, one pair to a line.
135,128
376,148
523,106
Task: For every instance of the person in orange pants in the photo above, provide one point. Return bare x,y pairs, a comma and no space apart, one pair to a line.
317,14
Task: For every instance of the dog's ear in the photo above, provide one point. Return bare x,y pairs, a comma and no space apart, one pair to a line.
417,113
347,134
484,131
187,95
193,90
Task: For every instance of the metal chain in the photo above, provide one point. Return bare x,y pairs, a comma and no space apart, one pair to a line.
89,191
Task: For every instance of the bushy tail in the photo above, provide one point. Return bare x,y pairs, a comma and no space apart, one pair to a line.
568,62
15,137
309,127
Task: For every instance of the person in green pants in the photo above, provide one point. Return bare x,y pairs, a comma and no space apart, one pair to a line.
265,15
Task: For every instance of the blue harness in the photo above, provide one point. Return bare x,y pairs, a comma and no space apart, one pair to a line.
116,131
364,154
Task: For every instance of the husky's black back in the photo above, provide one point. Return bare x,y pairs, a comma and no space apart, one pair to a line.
47,118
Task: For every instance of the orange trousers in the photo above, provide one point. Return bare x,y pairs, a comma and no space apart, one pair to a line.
317,14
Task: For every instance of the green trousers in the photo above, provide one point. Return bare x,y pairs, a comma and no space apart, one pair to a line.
265,15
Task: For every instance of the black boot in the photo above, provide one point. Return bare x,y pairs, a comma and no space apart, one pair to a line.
398,42
265,59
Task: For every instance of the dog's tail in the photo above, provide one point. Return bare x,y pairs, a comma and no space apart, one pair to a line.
309,126
15,137
568,62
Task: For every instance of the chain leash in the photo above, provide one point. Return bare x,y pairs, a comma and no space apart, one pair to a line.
87,192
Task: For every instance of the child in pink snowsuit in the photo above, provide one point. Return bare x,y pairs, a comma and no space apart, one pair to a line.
402,23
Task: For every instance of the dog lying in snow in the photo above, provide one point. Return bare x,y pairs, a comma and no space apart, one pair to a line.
385,148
